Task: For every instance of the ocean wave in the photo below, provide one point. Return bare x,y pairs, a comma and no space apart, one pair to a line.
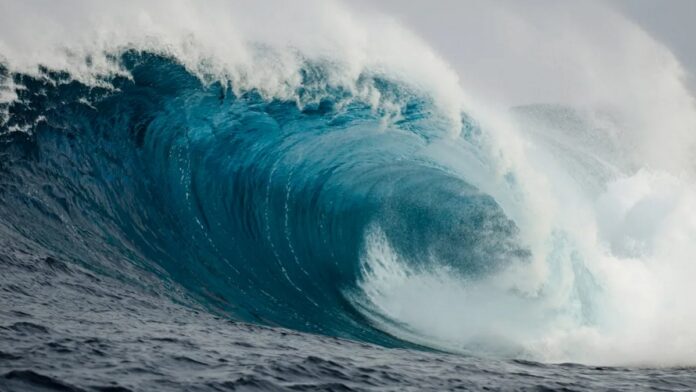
340,185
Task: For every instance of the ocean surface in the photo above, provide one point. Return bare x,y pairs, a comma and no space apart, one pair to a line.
66,328
303,223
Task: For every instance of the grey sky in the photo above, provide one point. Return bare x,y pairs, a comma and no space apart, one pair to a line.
465,33
672,22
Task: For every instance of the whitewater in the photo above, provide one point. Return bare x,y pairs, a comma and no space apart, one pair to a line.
245,195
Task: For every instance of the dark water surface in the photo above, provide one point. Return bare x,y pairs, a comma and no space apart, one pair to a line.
63,328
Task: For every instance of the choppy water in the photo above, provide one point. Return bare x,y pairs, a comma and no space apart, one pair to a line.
66,329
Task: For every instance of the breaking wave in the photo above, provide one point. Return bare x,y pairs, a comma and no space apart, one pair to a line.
337,187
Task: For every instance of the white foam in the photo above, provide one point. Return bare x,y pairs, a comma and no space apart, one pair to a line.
221,39
607,210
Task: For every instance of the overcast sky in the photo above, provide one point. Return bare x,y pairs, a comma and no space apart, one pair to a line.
672,22
465,33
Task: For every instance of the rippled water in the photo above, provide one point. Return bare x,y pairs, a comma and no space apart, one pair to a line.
64,328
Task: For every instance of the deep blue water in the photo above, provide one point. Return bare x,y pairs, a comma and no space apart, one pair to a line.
163,233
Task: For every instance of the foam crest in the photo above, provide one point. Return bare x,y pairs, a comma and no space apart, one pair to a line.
254,45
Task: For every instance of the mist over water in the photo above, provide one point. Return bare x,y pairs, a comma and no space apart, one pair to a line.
517,183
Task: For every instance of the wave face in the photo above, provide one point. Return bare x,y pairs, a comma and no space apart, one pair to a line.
258,208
